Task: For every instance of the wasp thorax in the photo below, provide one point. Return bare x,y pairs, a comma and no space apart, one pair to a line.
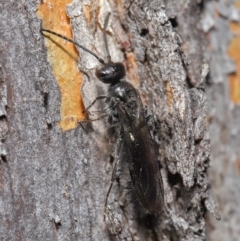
111,73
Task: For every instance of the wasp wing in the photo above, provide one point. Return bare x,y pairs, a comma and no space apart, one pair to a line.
139,152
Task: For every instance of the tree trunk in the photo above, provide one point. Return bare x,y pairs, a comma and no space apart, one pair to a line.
221,22
56,166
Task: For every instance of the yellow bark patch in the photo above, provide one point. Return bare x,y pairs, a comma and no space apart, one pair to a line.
237,3
234,53
170,96
132,69
87,12
63,56
237,162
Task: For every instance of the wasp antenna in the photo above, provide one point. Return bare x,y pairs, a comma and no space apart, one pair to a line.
72,41
105,37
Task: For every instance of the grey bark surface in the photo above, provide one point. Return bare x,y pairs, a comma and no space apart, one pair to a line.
224,117
54,183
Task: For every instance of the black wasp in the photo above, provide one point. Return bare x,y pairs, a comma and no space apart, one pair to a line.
135,145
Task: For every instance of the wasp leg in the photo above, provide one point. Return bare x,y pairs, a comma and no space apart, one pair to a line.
100,97
118,148
99,118
110,187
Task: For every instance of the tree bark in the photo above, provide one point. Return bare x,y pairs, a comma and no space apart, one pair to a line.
55,176
223,96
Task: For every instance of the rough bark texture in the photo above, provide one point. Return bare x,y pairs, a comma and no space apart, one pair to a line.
53,183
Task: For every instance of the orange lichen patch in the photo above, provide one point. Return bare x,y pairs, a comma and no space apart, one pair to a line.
209,46
87,13
238,165
185,47
120,7
216,13
237,3
234,53
63,56
132,69
169,92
